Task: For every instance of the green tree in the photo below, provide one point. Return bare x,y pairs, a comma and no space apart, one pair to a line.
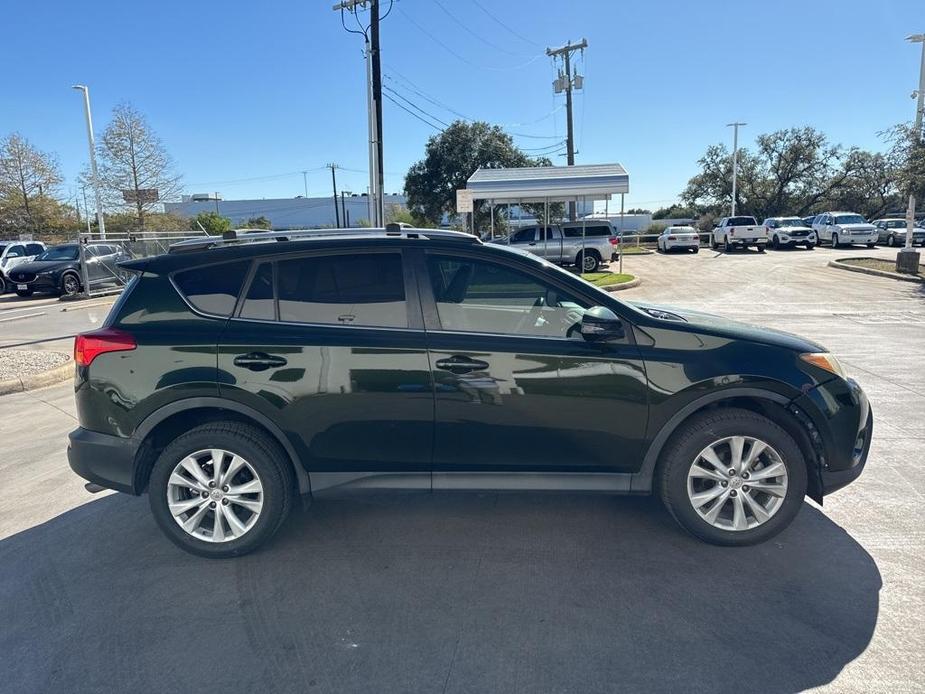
396,214
133,160
791,171
454,155
29,179
676,212
906,155
260,222
212,222
638,210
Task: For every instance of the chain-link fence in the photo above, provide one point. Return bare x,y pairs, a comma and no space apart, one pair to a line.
98,270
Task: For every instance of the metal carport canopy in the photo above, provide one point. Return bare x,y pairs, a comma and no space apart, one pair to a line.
549,183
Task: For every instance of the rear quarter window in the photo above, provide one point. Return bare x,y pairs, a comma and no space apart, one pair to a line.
213,289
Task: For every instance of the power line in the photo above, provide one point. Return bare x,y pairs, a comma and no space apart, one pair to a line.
460,57
416,107
469,30
495,18
408,110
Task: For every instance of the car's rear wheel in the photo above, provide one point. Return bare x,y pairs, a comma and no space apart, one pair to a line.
221,490
732,477
588,261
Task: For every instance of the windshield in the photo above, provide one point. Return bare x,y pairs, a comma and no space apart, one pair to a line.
2,247
60,253
792,222
681,230
741,221
849,219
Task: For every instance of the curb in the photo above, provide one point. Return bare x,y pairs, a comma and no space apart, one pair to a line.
624,285
870,271
39,380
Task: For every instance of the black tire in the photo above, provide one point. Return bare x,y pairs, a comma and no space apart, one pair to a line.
684,449
890,241
70,284
582,260
872,245
727,247
810,246
696,249
23,292
775,243
713,244
262,453
762,247
834,240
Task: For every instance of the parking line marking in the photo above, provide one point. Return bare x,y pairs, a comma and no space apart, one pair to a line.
28,315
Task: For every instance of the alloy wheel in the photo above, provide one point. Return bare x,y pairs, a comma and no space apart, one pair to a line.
71,285
737,483
215,495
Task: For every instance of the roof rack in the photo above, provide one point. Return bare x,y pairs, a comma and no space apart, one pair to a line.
238,236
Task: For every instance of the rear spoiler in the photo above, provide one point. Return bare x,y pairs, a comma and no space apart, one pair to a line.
135,265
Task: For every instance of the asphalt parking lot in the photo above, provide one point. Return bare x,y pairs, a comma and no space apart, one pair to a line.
493,592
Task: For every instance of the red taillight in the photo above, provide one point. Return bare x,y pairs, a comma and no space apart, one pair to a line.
614,241
88,346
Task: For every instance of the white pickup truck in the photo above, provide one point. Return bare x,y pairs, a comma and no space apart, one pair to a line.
739,232
585,245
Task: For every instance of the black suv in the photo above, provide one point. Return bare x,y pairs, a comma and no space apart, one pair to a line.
234,374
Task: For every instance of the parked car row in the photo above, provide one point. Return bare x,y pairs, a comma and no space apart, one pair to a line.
57,270
13,254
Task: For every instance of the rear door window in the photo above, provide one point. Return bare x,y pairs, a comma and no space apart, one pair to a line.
357,290
33,249
213,289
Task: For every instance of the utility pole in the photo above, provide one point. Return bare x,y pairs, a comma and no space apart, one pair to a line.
566,82
374,102
735,161
334,184
93,171
305,181
907,260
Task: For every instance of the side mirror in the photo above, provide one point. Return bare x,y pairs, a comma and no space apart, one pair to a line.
600,324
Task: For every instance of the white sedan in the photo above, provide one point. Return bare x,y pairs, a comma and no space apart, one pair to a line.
685,238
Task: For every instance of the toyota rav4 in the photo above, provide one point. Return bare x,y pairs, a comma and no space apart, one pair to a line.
236,373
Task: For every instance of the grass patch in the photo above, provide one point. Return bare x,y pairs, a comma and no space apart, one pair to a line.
602,279
635,250
878,264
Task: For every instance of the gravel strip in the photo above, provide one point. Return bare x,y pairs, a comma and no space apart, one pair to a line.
18,363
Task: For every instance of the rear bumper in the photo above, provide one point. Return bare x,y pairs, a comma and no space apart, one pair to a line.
108,461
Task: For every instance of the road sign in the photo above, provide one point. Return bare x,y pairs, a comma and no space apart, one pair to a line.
143,195
463,201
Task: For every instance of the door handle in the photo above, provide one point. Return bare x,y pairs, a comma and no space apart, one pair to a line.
461,365
259,361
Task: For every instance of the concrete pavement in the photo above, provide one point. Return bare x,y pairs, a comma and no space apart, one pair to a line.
498,592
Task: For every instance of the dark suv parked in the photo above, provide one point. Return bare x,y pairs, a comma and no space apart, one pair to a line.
57,270
234,374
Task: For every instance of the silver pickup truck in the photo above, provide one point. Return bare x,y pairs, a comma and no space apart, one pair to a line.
568,244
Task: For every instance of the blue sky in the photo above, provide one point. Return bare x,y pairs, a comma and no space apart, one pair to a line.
260,91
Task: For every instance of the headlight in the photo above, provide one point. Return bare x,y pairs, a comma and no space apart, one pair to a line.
824,360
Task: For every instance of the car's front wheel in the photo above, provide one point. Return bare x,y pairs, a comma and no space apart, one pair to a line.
732,477
221,490
70,284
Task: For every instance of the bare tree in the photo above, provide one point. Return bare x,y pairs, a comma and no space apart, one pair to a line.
134,163
27,175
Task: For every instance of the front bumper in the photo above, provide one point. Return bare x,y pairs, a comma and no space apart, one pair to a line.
41,283
108,461
797,240
844,422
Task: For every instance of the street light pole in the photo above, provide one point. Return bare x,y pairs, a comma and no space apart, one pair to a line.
735,161
907,260
93,171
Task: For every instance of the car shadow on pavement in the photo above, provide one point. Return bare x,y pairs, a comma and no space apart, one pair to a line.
428,593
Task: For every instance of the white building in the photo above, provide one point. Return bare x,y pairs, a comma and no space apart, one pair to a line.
285,213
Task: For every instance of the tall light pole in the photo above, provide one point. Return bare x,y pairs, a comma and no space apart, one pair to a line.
907,260
735,161
93,172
